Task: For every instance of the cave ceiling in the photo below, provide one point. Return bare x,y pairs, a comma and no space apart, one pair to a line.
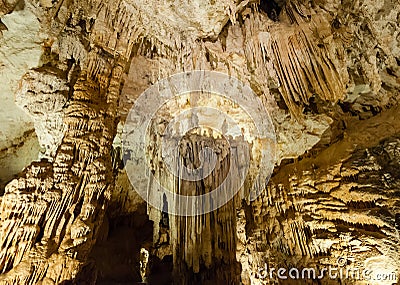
326,74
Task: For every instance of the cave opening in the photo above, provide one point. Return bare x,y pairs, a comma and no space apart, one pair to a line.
117,254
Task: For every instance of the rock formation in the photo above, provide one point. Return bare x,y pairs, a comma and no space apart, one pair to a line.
326,71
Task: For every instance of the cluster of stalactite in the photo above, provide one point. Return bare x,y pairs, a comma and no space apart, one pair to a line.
203,246
50,216
307,58
204,251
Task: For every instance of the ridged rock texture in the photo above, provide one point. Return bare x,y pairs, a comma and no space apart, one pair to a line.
327,71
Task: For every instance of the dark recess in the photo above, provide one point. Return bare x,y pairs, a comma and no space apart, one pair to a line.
271,8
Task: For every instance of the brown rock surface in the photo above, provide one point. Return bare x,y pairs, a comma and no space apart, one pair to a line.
328,73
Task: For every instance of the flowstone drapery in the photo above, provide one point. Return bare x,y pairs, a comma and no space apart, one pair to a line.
327,72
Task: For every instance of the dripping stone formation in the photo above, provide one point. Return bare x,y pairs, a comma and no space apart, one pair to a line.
199,142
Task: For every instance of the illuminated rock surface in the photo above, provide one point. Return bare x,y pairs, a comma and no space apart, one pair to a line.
327,72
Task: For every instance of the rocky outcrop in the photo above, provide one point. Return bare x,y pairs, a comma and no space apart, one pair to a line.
337,210
43,94
52,213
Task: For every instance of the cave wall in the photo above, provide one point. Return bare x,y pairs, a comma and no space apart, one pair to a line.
327,72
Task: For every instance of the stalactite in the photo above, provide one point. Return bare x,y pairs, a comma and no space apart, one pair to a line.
305,58
311,55
209,251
